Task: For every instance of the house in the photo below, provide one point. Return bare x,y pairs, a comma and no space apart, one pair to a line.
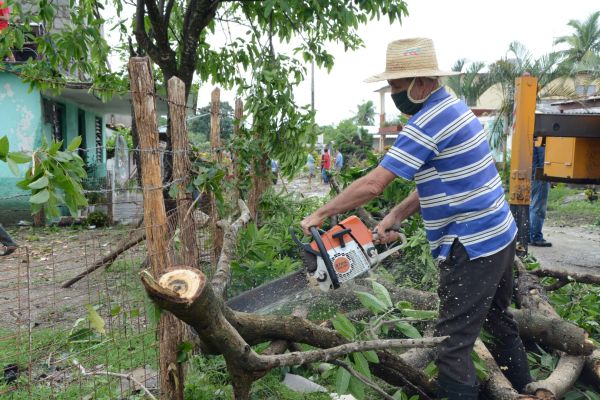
30,115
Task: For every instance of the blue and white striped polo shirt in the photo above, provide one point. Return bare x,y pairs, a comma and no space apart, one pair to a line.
444,149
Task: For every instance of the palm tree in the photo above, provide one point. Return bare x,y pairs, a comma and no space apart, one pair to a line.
546,69
582,56
365,114
585,41
471,83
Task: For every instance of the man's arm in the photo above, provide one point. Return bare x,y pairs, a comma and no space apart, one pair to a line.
407,207
358,193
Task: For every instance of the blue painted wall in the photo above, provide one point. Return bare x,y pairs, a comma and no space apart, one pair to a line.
22,120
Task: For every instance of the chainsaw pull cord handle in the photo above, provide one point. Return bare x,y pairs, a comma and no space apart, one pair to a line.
332,275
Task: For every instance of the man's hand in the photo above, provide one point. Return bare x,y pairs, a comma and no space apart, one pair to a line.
312,220
383,233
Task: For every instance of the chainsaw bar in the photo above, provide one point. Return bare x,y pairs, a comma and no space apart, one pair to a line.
269,293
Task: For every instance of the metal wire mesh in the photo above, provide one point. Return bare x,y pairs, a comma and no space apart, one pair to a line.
95,339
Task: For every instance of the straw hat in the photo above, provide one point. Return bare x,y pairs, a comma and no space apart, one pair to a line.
410,58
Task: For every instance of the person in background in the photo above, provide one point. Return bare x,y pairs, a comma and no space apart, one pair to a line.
539,200
325,165
275,170
4,19
339,160
310,163
7,242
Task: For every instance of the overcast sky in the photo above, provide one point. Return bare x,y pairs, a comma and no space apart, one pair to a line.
478,30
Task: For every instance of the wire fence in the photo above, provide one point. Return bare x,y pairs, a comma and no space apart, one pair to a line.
97,338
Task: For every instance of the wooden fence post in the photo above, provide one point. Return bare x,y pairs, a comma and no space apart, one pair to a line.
215,144
181,171
155,218
235,165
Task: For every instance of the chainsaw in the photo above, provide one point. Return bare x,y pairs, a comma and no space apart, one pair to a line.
342,253
333,257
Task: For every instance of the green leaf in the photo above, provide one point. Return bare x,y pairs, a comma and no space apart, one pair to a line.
39,184
183,351
342,380
371,302
420,314
408,330
40,197
95,319
431,369
357,388
402,304
371,356
19,157
74,145
382,294
14,168
3,147
361,364
344,327
116,310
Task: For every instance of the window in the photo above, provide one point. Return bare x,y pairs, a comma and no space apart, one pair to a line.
98,135
586,90
82,132
54,114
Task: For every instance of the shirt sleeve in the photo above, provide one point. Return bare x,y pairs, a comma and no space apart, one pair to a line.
412,149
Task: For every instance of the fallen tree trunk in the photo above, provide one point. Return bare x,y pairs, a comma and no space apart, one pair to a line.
496,386
553,332
531,295
108,259
581,275
185,293
560,380
591,369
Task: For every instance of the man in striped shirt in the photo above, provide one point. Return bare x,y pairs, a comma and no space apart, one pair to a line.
471,232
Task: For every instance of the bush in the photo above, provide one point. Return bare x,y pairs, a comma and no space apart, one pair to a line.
98,218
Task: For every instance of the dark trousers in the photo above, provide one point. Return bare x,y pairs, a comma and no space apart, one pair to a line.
5,238
474,294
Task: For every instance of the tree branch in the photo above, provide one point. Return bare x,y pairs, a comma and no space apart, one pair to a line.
311,356
362,378
142,36
230,232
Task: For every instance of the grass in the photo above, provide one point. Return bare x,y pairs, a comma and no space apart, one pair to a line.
53,352
572,213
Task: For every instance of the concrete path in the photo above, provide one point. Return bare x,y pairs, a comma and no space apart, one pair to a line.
574,249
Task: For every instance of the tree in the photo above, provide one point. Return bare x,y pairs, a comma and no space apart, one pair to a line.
365,115
199,124
471,83
504,72
584,42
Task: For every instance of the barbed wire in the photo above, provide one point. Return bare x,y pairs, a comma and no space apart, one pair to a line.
128,189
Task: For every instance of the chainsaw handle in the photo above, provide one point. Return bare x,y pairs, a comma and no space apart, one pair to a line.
331,271
305,246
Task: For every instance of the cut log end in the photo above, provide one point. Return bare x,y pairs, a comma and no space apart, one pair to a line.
184,282
180,284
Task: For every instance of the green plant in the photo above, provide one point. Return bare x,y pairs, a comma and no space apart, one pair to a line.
98,219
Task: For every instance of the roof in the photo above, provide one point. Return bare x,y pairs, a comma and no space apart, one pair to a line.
118,104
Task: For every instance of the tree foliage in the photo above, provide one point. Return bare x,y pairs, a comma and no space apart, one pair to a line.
365,115
471,83
199,124
54,176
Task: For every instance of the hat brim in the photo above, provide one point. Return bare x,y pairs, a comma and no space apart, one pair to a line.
420,73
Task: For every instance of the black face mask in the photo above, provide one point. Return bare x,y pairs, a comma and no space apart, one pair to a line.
404,104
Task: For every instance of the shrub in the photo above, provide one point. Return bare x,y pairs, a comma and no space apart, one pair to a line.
98,218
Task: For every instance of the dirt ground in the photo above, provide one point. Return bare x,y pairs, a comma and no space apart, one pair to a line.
31,277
